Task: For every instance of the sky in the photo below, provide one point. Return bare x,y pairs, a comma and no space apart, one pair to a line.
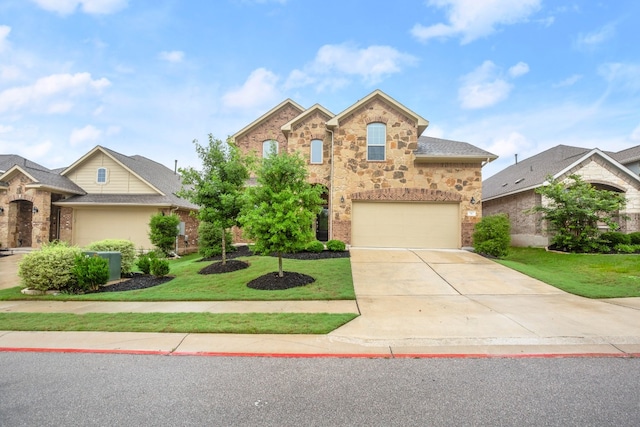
149,77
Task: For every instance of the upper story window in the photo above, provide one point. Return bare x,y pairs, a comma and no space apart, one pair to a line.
316,151
101,176
376,141
268,147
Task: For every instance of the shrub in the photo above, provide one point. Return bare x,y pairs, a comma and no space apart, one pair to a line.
90,272
635,238
210,240
159,267
50,268
144,261
164,230
613,238
622,248
125,247
336,245
315,246
492,235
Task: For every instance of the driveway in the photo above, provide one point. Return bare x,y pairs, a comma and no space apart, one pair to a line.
455,297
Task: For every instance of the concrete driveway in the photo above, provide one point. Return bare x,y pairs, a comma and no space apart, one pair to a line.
454,297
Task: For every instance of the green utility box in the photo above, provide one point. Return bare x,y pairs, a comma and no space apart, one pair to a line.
115,262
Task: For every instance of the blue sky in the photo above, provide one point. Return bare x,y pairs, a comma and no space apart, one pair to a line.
148,77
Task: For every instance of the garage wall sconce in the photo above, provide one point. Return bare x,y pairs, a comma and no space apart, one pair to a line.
1,210
473,200
341,199
34,210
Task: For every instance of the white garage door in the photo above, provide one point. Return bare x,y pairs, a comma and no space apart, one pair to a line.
130,223
406,225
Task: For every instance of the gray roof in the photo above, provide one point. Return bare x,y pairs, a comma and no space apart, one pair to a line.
431,147
42,175
119,199
627,156
532,172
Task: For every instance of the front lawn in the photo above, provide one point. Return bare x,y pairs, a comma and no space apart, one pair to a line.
587,275
333,282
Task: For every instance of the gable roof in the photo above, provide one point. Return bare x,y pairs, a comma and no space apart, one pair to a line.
432,149
532,172
421,122
627,156
259,120
287,127
165,181
10,164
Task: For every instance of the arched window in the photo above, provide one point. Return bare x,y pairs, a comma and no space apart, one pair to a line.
269,147
376,141
101,176
316,151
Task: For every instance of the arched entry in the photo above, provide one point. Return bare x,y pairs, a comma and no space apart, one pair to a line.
322,220
20,223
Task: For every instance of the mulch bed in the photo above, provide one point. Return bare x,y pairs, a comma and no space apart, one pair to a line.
271,281
137,281
218,268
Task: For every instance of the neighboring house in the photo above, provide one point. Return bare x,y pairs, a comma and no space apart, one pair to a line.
385,184
103,195
512,191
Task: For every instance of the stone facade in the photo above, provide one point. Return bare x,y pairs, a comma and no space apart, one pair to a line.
353,177
526,229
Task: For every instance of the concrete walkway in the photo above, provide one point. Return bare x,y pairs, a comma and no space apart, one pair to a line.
412,302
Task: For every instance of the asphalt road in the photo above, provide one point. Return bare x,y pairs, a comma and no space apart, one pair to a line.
46,389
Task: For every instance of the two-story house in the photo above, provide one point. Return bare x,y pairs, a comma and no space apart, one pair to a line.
385,184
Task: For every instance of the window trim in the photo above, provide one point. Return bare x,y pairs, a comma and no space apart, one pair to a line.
370,127
321,161
265,151
106,175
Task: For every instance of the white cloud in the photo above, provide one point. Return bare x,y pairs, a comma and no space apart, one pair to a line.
595,38
483,87
4,33
621,76
5,129
569,81
93,7
259,90
85,134
48,90
520,69
35,152
473,19
10,72
635,134
172,56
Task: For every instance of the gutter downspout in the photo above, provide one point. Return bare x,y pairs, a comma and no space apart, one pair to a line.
172,211
331,190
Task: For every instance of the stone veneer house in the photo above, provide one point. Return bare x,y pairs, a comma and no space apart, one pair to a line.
512,190
103,195
386,185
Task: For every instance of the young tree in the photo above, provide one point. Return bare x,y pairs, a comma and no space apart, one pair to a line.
574,210
163,231
218,187
280,210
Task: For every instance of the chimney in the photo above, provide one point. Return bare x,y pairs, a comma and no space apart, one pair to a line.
175,167
516,158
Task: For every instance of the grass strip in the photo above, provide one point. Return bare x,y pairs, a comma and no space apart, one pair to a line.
587,275
214,323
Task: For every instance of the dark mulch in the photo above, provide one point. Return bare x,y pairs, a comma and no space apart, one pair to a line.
137,281
244,251
271,281
239,252
217,267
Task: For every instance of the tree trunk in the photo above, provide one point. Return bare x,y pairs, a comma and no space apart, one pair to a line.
224,248
280,272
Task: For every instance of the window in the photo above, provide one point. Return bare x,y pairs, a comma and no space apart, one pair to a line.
376,141
269,146
316,151
101,177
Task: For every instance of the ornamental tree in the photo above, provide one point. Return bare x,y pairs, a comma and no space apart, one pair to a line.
279,212
574,208
163,231
217,188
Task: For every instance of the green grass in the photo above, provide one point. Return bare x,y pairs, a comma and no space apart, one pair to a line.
226,323
333,282
587,275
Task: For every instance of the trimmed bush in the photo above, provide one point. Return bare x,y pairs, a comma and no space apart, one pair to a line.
210,240
613,238
90,272
50,268
492,235
336,245
159,267
622,248
315,246
164,230
125,247
635,238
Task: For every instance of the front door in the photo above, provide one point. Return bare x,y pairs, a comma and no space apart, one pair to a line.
322,225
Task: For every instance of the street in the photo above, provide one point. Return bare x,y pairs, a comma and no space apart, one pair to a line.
110,389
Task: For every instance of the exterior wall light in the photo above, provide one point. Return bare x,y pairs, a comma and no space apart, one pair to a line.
34,210
341,199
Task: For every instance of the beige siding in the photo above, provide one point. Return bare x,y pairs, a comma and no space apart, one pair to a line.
406,225
130,223
119,179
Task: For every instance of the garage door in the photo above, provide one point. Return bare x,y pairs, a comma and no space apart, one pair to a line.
406,225
130,223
